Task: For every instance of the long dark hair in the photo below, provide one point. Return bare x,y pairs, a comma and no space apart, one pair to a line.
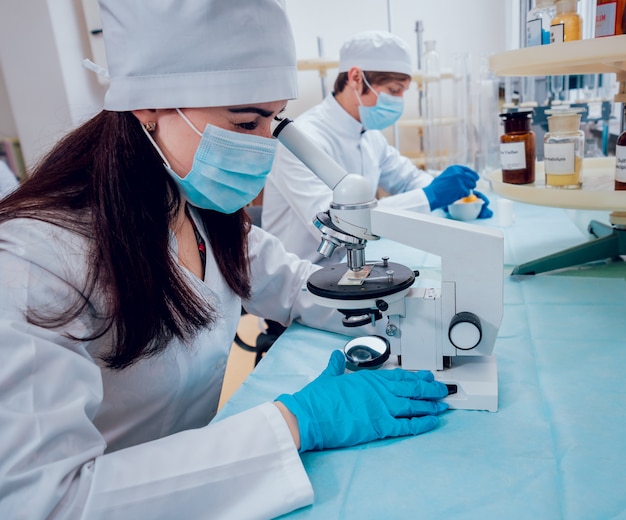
105,181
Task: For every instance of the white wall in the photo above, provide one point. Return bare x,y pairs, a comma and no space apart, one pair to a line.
43,43
7,124
478,27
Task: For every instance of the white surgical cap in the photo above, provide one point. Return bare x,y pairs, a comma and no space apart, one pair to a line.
375,51
197,53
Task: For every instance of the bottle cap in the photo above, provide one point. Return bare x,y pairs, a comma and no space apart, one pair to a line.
430,45
566,6
564,119
517,121
560,110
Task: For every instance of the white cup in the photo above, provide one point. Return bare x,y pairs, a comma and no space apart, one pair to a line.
504,212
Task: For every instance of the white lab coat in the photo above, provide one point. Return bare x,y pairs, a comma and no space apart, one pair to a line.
293,194
83,441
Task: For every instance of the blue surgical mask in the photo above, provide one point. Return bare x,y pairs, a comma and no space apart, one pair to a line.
229,168
384,113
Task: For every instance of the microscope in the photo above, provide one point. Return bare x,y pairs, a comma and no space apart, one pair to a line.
450,330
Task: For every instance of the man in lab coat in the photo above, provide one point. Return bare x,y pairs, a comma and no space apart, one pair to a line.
374,73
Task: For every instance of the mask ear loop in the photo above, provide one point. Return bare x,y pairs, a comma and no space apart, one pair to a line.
368,84
191,125
358,97
156,147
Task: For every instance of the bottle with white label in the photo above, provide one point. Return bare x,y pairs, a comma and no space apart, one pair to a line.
563,149
567,25
610,18
538,23
517,148
620,156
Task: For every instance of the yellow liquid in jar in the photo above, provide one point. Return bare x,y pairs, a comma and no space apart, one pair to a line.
572,26
566,180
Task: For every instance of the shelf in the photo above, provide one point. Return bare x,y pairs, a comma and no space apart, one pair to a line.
420,123
322,65
319,64
418,77
597,193
592,56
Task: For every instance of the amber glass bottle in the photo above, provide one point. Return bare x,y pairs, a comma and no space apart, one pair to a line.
517,149
567,25
620,156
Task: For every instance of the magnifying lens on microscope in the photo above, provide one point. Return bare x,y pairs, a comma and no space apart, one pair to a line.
366,352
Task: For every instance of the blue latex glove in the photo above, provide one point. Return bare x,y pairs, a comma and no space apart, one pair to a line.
452,184
337,410
485,211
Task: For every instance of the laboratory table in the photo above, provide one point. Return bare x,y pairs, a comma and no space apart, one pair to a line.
555,449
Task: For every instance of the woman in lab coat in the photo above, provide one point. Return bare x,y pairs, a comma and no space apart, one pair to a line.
374,72
124,261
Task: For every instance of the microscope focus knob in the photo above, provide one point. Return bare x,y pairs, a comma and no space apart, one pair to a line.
382,305
465,331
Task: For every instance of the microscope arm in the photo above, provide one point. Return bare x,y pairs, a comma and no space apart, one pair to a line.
318,161
353,195
471,264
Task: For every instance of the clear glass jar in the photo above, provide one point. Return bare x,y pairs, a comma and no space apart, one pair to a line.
538,23
567,25
563,149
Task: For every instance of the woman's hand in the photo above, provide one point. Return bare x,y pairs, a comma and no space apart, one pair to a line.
337,409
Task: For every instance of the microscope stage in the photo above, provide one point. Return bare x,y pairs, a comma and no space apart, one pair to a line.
327,282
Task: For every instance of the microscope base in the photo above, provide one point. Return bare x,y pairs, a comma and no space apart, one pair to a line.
476,379
610,243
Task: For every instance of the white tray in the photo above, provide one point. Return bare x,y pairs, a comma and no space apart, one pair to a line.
597,192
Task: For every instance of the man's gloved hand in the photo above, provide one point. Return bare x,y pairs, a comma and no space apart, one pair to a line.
485,211
337,410
452,184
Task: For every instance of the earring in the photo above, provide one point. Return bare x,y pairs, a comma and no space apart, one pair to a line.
150,126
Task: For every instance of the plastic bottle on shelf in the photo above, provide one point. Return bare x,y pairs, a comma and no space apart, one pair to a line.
620,156
432,107
563,148
567,25
517,148
538,23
